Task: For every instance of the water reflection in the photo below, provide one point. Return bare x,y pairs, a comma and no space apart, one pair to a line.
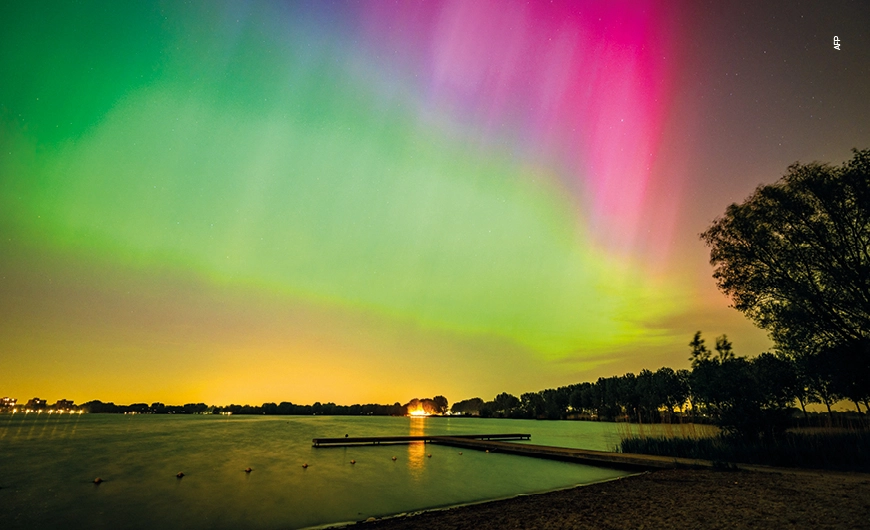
34,426
139,458
6,427
57,421
416,451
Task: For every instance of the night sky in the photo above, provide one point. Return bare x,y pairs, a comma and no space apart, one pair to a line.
372,201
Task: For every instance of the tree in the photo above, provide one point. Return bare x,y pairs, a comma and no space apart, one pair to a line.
724,348
627,396
795,256
648,396
776,380
684,382
467,406
555,402
533,404
848,370
440,404
488,409
746,398
582,398
608,395
672,389
506,403
699,350
590,399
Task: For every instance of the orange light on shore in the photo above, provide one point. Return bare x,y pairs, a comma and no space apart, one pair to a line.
418,409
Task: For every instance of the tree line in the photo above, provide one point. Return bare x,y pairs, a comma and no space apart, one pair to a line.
740,394
436,405
746,396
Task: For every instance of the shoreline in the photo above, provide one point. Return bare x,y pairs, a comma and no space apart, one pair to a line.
674,498
437,509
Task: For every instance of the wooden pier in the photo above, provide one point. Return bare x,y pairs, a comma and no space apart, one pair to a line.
496,443
378,440
626,461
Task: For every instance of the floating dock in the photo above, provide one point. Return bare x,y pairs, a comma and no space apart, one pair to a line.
498,443
378,440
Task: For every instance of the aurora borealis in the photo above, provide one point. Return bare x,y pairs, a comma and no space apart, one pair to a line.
372,201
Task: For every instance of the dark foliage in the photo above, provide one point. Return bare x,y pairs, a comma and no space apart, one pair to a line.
848,451
795,256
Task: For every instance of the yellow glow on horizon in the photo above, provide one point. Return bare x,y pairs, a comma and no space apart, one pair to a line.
419,410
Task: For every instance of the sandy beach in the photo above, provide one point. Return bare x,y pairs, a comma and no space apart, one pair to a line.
671,499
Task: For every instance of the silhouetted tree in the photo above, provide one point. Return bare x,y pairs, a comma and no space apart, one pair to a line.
724,348
817,370
611,397
672,391
744,397
685,379
506,403
582,398
488,410
96,406
467,406
533,404
778,379
440,404
848,368
699,350
795,256
555,402
195,408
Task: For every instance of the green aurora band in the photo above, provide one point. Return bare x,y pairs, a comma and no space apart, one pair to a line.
262,157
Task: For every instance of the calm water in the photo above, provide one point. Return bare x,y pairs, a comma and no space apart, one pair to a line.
48,463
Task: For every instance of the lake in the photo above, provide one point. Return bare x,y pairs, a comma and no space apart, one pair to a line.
48,464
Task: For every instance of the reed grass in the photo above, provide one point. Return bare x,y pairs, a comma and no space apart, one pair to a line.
693,431
834,449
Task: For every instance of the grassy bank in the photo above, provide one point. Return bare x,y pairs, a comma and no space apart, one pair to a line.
834,450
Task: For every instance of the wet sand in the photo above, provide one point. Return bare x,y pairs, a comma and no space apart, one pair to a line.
670,499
